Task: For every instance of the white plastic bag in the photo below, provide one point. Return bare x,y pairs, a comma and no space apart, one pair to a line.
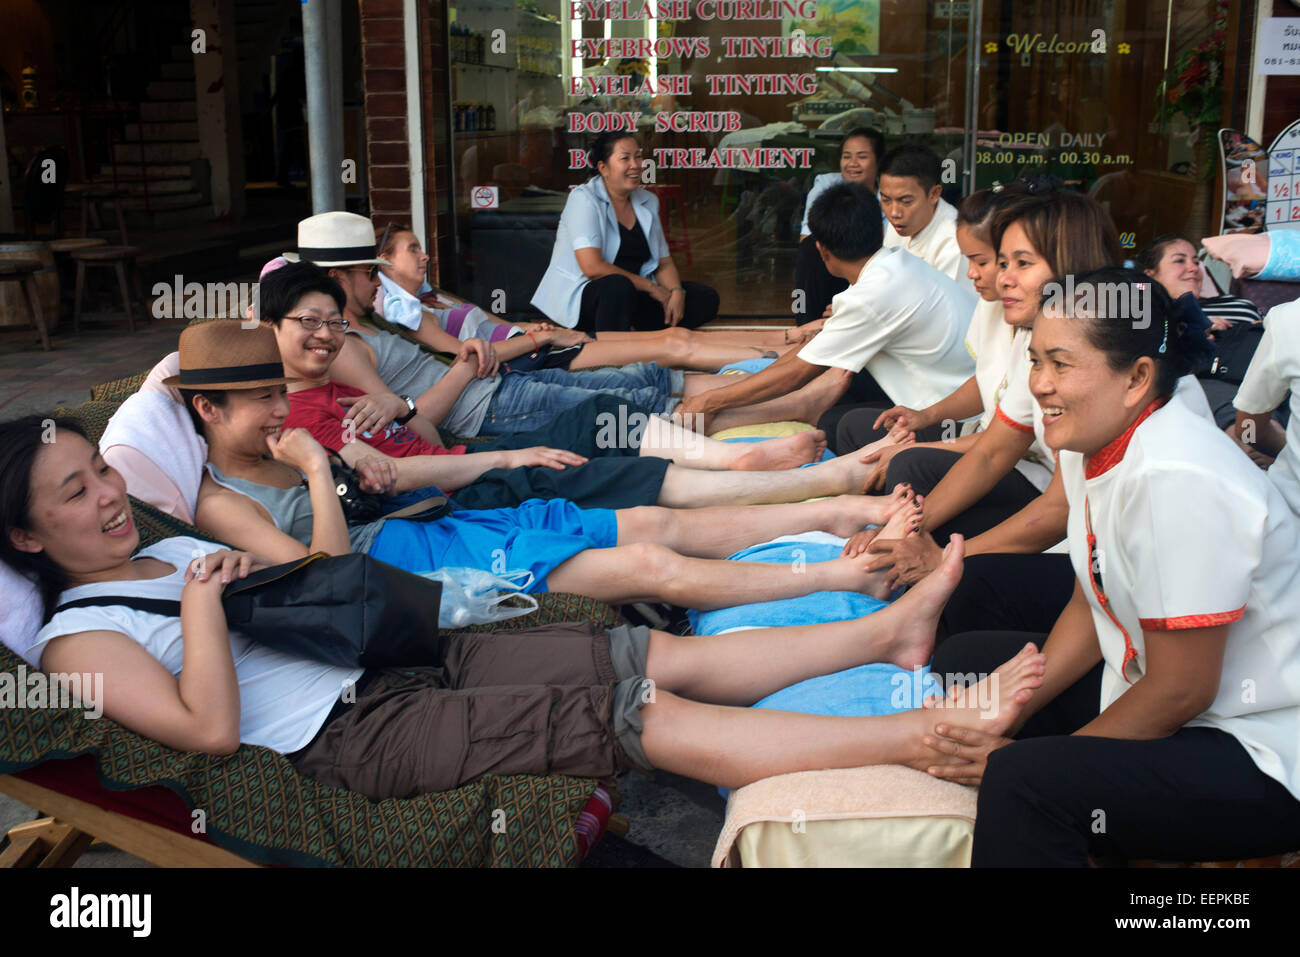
471,596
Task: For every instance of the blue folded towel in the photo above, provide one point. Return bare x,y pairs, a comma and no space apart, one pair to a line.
748,365
874,689
817,607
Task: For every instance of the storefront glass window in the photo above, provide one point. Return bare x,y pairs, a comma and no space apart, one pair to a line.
739,104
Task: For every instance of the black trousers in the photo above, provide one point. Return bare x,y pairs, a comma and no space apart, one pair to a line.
1053,799
819,286
612,304
1009,593
924,468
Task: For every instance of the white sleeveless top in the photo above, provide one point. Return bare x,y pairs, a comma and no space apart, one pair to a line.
283,701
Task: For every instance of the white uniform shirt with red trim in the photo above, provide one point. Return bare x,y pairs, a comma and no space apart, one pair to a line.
1274,373
999,351
905,323
1188,533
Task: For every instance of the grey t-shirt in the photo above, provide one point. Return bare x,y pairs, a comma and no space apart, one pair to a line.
291,509
409,370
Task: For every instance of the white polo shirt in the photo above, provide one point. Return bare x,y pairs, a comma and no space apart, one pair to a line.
936,244
905,323
1274,372
1190,534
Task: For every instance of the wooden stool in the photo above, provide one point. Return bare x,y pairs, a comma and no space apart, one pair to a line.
116,258
62,249
73,243
22,272
93,199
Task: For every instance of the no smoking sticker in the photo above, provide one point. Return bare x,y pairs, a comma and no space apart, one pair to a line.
483,197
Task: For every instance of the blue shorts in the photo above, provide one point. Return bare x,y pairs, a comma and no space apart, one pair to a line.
538,536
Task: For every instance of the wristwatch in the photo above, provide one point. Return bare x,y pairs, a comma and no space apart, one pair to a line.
410,410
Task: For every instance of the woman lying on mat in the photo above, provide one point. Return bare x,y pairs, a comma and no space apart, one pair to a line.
593,702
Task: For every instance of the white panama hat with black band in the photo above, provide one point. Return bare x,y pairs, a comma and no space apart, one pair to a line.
336,239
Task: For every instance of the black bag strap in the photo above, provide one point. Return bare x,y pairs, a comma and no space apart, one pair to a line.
154,606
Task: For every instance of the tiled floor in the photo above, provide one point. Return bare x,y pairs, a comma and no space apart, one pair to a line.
32,380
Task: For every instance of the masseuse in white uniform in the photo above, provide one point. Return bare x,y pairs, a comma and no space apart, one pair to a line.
1171,700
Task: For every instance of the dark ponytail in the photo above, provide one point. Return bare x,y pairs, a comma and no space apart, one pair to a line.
21,440
1128,315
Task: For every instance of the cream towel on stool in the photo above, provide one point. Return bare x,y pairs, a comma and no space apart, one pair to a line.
881,816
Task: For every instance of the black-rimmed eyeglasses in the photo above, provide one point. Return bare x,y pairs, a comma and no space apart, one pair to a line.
311,323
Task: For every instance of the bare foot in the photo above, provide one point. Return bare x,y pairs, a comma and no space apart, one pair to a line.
994,703
906,519
784,453
917,612
848,514
857,578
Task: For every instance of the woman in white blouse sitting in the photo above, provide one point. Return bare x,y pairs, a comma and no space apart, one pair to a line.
611,270
1168,720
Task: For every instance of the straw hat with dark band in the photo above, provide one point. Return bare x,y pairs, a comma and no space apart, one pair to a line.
228,354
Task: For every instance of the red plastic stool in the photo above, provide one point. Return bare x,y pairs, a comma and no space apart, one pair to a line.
674,193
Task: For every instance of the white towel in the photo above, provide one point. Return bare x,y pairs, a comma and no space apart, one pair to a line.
159,427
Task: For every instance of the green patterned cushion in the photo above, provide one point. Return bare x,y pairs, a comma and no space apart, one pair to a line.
117,390
258,806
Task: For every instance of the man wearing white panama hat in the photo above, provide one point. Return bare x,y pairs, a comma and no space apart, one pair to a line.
470,398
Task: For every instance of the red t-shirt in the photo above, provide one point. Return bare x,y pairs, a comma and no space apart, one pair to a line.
318,411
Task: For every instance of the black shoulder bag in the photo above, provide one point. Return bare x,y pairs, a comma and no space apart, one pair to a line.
1236,346
361,507
344,610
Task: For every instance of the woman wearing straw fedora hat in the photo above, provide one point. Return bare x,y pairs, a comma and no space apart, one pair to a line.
271,490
